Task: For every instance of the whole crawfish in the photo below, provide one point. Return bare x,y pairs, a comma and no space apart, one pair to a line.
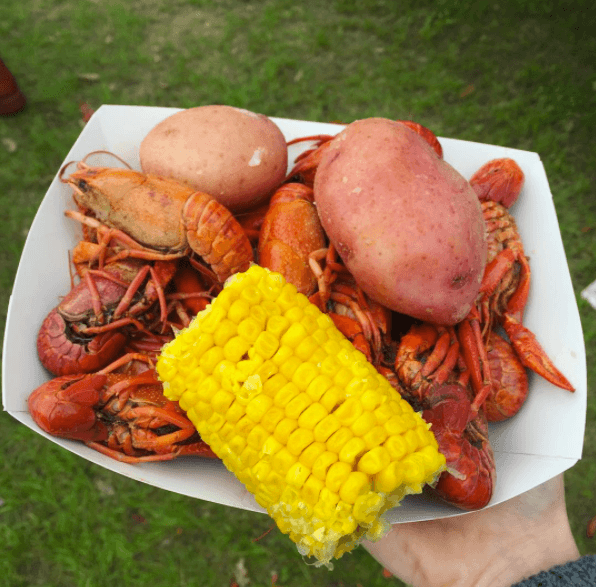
506,282
432,377
154,218
119,411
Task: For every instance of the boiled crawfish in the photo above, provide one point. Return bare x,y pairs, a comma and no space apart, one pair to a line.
154,218
290,232
433,378
119,411
506,283
86,331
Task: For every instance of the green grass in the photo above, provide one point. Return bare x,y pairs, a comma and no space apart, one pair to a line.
519,74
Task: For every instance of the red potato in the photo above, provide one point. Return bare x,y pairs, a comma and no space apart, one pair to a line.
407,225
234,155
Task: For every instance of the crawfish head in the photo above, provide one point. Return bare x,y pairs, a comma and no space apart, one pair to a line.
462,435
63,352
145,207
77,305
64,407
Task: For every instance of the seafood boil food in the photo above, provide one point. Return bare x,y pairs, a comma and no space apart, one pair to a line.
157,258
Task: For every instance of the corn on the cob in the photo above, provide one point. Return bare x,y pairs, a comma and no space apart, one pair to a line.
302,419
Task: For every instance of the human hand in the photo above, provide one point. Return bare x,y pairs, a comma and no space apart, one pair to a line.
493,547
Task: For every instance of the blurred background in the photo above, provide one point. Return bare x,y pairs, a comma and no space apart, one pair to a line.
512,73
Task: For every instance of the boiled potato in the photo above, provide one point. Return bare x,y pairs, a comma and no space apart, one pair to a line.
236,156
406,224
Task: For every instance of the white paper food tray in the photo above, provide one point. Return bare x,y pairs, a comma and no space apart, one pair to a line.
543,440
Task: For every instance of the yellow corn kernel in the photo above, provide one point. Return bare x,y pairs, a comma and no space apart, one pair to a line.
343,378
288,368
215,421
271,446
286,394
212,318
330,366
383,413
235,412
249,456
336,475
282,354
318,386
299,439
282,460
284,429
375,437
266,345
259,315
297,474
396,446
310,454
395,426
317,358
207,389
389,479
322,464
297,405
349,411
411,439
332,398
187,400
235,349
274,384
237,444
352,450
365,423
261,471
224,332
258,406
371,398
244,425
311,428
311,489
354,486
337,440
239,310
210,358
374,460
272,418
222,400
324,509
294,335
312,415
277,325
326,427
256,437
306,347
304,375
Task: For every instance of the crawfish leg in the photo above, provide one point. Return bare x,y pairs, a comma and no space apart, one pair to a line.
124,458
476,358
532,355
443,359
